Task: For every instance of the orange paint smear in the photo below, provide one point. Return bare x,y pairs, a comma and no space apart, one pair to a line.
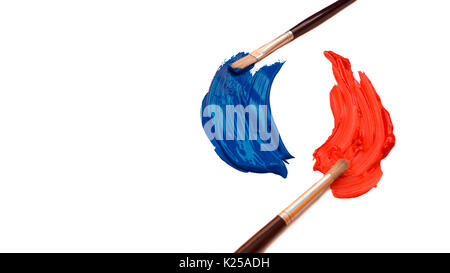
362,134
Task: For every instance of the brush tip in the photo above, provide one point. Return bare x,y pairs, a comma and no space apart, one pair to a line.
243,64
338,168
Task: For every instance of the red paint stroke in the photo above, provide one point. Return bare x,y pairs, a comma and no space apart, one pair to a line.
362,134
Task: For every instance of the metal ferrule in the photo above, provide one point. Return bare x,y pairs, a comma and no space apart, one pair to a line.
273,45
306,199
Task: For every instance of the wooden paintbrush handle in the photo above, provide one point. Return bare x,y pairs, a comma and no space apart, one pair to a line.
262,238
320,17
269,232
287,37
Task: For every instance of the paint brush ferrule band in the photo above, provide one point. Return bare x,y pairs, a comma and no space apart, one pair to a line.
306,199
273,45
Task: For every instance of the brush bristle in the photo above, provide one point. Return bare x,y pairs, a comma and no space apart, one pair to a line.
338,168
243,63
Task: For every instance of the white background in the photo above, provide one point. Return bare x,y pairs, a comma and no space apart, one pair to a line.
102,148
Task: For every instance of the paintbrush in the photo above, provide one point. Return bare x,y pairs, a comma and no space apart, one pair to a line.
269,232
287,37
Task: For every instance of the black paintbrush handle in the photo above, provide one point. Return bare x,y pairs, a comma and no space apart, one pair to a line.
320,17
269,232
262,238
287,37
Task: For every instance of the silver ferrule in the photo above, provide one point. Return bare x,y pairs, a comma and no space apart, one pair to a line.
295,209
273,45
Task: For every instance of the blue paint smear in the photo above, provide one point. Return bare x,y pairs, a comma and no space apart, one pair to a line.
230,88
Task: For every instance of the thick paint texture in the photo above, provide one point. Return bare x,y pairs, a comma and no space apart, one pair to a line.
363,132
244,153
